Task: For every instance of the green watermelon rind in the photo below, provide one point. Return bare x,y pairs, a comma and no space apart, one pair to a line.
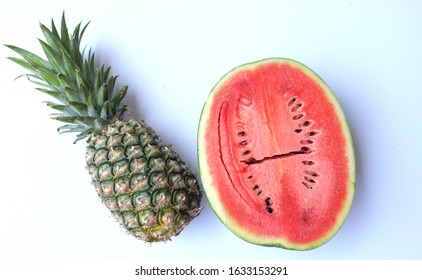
207,178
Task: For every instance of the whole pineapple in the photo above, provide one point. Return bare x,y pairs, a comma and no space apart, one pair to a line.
147,187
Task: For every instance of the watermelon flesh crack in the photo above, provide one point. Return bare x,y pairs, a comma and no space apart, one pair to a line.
304,150
276,156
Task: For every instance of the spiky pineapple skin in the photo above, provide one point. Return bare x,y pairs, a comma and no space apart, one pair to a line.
143,182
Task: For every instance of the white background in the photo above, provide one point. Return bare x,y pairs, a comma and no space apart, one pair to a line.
171,53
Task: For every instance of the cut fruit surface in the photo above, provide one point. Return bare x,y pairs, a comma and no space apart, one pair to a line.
276,156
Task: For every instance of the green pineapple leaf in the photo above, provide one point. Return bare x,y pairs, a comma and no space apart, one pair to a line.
79,107
65,38
70,128
56,106
86,97
32,59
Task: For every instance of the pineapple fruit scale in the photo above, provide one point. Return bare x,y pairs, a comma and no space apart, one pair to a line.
143,182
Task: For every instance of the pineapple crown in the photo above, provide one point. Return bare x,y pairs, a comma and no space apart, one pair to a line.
85,96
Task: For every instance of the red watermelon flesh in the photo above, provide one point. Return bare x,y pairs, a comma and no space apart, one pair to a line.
276,155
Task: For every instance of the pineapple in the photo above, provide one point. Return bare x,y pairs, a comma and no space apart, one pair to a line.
143,182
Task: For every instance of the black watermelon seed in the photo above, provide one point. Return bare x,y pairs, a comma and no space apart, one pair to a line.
292,101
296,107
304,142
310,180
305,149
297,117
312,133
251,160
312,173
306,123
307,185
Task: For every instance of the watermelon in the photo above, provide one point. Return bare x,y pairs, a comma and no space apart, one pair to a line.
276,156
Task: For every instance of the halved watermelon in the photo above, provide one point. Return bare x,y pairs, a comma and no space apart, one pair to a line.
276,156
